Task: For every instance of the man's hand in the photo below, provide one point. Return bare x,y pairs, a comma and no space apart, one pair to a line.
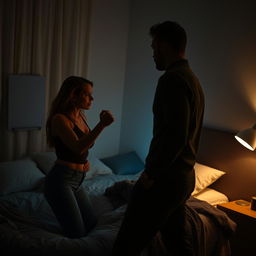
146,181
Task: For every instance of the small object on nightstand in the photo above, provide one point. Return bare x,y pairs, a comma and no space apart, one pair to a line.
253,203
234,208
242,202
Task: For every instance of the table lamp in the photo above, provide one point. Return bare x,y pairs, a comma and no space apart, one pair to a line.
247,138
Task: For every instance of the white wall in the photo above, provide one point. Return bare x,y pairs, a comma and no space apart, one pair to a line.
221,50
106,68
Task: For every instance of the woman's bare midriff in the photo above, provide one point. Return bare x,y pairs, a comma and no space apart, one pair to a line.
79,167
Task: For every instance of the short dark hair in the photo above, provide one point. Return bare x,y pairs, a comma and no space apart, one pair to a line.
170,32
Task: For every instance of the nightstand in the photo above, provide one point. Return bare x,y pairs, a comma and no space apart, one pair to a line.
244,240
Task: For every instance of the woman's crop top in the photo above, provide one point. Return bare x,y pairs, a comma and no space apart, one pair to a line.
63,152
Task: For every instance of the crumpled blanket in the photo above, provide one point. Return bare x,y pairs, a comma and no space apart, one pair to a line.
120,192
219,217
15,219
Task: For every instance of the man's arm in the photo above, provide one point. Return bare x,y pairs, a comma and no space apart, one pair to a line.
171,132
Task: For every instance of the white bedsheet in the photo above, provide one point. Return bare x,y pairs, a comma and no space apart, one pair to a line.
212,196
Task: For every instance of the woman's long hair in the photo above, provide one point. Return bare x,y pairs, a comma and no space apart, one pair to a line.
66,101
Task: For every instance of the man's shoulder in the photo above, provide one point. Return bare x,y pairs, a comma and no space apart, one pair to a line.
173,77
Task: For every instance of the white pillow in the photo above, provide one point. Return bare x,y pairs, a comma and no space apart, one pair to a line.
44,160
97,167
19,175
212,196
205,176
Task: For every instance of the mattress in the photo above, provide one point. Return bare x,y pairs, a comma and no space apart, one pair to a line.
28,225
212,196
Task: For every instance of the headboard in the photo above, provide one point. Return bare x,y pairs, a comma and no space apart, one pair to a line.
220,150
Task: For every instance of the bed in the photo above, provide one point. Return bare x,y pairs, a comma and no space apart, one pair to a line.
27,224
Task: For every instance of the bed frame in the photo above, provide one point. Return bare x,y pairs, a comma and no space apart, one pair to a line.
220,150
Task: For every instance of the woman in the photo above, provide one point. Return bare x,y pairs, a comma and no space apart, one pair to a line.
68,132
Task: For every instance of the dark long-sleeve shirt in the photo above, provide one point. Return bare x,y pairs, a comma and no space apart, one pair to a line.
178,115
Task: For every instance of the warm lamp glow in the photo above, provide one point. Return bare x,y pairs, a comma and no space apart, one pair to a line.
244,143
247,137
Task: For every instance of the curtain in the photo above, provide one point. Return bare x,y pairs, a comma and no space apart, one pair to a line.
42,37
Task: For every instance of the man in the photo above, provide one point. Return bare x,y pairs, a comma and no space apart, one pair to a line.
157,204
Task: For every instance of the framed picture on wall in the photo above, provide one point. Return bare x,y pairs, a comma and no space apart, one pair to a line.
26,102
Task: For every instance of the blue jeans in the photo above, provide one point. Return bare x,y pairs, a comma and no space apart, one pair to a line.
69,201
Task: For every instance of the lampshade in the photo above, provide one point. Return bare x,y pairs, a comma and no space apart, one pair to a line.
247,137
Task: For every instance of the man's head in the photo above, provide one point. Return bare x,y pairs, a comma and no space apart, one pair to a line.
168,43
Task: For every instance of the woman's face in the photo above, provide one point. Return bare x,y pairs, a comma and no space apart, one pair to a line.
86,98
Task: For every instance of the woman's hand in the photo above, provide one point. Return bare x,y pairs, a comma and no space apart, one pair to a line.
106,118
86,166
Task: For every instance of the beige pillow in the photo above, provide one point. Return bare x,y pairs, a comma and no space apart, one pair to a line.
205,176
